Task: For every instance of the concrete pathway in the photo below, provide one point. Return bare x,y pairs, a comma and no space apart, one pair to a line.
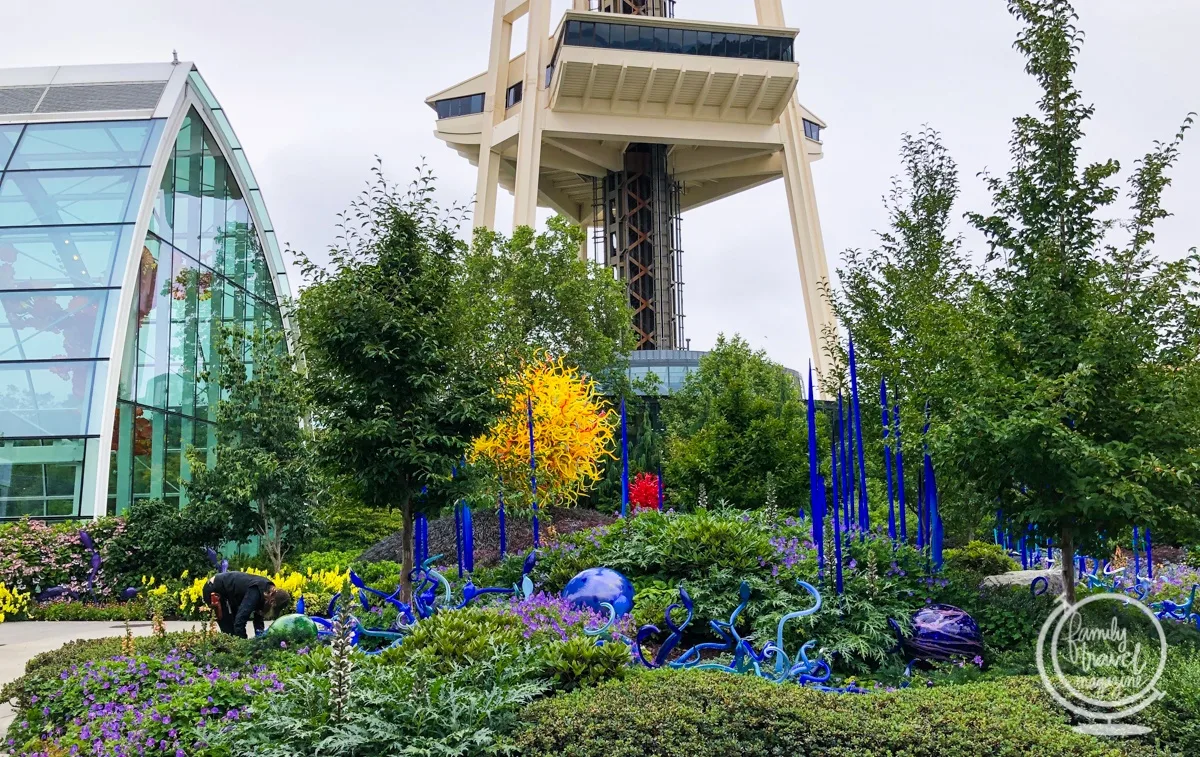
22,640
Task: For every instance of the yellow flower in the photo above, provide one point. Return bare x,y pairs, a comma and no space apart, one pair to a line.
12,602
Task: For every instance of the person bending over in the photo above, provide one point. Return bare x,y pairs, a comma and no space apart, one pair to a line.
237,598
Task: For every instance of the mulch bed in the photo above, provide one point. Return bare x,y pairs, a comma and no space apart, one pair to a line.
553,520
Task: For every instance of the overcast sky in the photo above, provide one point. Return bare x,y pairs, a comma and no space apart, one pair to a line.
316,89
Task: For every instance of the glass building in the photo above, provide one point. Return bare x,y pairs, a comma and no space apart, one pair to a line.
670,368
131,229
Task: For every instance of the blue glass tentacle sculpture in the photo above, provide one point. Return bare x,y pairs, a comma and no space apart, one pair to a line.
1167,609
387,599
645,632
730,639
525,589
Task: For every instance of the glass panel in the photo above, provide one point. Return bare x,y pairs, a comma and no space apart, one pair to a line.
40,478
774,48
704,43
191,282
689,42
572,33
37,326
789,50
202,90
616,36
49,399
602,34
660,40
213,201
226,130
162,215
189,162
63,256
760,47
149,448
587,31
239,157
747,46
208,325
718,43
154,287
8,140
675,41
260,207
44,198
646,41
106,144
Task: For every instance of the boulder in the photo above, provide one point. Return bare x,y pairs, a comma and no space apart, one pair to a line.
1024,578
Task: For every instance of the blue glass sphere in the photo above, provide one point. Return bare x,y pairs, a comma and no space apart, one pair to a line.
595,586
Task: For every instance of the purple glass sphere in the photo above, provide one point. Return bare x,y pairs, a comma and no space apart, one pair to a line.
943,632
596,586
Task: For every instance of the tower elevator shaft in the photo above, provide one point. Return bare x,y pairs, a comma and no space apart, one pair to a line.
636,231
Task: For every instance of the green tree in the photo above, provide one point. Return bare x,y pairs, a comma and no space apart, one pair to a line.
532,292
911,304
736,419
399,390
262,481
1085,419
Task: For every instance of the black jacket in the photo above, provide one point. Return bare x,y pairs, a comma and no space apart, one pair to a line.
246,592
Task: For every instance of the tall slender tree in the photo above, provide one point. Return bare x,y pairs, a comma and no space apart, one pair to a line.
399,392
1085,419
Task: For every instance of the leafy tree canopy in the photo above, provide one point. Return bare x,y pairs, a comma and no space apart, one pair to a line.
532,293
736,419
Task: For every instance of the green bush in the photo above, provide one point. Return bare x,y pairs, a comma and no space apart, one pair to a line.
389,710
348,526
576,662
162,540
712,551
1175,719
980,558
338,560
136,609
454,638
711,714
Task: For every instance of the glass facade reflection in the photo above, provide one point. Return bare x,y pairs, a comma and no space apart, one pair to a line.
677,40
71,241
201,266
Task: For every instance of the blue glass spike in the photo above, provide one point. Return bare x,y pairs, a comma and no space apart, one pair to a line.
526,587
744,592
530,561
686,598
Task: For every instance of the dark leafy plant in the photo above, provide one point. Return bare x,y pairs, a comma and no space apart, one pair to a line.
162,540
580,662
390,710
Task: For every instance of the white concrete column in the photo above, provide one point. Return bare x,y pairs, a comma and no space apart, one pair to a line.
806,223
529,140
488,184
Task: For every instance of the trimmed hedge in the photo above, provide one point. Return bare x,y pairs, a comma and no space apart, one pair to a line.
713,714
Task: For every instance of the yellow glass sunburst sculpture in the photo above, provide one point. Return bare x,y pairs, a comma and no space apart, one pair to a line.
573,430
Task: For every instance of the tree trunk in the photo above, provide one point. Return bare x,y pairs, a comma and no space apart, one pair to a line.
406,560
1068,564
